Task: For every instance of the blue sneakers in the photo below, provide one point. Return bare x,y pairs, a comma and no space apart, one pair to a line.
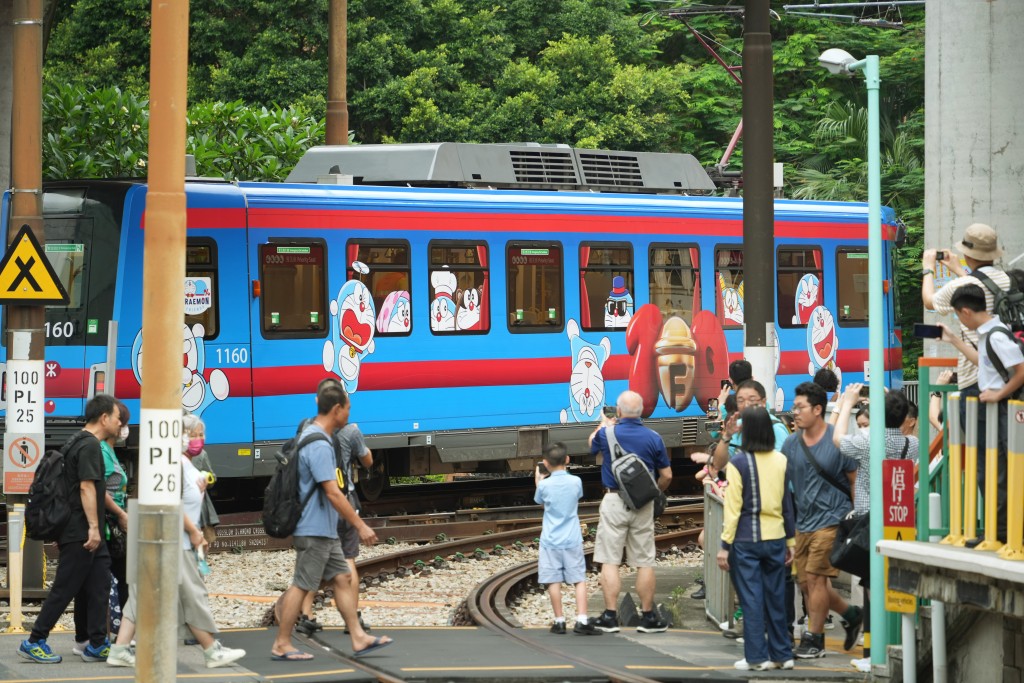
38,651
96,654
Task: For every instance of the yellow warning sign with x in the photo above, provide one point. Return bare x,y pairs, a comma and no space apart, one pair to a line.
26,275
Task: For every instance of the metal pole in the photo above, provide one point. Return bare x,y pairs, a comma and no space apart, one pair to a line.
758,200
163,310
25,339
337,73
939,666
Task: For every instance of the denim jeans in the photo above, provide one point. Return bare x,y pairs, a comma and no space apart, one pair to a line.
759,574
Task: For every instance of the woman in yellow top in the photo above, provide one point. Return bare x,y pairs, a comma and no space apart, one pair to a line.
757,542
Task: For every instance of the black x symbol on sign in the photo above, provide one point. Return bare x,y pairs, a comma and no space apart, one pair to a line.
24,273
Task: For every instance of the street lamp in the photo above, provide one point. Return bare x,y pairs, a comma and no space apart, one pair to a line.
841,62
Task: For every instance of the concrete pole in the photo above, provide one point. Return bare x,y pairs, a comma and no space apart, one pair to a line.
758,200
337,73
163,310
25,338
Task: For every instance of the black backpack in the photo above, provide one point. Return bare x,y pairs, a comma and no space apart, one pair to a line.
636,483
1007,304
49,498
281,505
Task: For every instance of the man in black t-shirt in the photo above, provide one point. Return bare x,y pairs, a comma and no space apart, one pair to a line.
84,565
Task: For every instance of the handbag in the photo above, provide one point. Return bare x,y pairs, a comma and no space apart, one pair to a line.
117,542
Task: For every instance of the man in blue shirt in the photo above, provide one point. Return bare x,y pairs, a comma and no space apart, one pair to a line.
318,555
561,540
621,528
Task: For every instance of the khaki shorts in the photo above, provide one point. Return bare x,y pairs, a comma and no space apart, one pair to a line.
317,559
621,528
812,553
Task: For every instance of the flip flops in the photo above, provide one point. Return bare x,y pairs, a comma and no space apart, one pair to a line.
292,656
377,644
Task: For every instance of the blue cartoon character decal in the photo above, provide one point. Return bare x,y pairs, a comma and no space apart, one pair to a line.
586,384
808,297
395,313
197,393
822,341
352,328
618,309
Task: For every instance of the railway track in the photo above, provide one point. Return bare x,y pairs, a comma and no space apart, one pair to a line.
489,607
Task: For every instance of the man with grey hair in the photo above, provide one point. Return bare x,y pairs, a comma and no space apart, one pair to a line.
621,528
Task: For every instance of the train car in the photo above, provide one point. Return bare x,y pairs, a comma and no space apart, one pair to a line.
471,321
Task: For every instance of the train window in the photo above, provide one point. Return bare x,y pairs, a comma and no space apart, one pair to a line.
606,286
852,296
383,267
674,279
201,288
729,286
460,287
293,300
535,286
800,285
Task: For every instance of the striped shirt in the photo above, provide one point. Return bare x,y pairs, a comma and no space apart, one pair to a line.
966,371
858,447
759,499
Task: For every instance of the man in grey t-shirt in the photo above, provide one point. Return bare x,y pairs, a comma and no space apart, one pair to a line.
820,504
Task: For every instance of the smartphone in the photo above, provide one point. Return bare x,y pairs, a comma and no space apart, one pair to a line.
713,425
927,331
712,407
726,384
543,468
609,411
940,256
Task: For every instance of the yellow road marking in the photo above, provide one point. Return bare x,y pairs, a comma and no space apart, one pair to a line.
490,668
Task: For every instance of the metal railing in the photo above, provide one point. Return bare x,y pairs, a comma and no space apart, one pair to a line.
719,601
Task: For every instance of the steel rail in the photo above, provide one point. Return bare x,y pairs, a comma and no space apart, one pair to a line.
380,674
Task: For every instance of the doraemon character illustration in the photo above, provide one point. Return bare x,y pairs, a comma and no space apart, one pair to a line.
442,308
395,315
821,340
468,301
352,328
197,393
618,309
586,385
807,293
732,305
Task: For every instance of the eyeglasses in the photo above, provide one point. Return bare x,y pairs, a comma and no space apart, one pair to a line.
801,408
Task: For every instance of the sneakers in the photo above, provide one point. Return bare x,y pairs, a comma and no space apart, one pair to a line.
852,628
96,654
606,623
558,628
587,629
218,655
652,623
862,665
121,655
39,652
79,646
786,665
812,646
308,625
699,594
830,624
743,665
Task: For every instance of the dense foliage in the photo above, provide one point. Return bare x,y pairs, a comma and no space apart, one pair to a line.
614,74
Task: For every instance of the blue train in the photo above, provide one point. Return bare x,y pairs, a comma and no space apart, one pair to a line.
471,321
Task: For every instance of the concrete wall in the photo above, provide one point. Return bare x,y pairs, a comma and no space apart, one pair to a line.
974,131
6,84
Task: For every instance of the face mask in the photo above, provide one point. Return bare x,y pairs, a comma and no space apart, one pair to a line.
124,434
195,446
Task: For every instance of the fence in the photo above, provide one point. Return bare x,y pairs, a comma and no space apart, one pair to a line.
718,603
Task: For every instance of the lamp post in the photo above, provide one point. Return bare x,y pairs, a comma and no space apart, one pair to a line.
841,62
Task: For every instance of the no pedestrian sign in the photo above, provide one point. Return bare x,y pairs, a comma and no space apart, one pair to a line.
26,276
22,453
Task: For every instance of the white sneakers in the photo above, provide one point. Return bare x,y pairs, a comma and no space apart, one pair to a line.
121,655
862,665
218,655
80,647
743,665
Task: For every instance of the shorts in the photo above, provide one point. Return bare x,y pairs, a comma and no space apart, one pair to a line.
561,565
317,559
812,552
621,528
349,537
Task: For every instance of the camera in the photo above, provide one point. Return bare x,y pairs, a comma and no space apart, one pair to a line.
609,412
940,255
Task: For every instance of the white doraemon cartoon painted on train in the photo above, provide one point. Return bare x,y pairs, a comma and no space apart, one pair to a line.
352,328
442,308
197,392
732,305
395,315
468,301
586,384
822,341
807,298
618,309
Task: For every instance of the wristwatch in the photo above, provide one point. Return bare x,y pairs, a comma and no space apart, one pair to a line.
927,271
937,394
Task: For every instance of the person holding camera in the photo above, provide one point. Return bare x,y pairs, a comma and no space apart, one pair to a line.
561,557
621,528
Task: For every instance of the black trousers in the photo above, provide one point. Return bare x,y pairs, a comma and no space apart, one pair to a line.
1001,458
79,572
119,569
